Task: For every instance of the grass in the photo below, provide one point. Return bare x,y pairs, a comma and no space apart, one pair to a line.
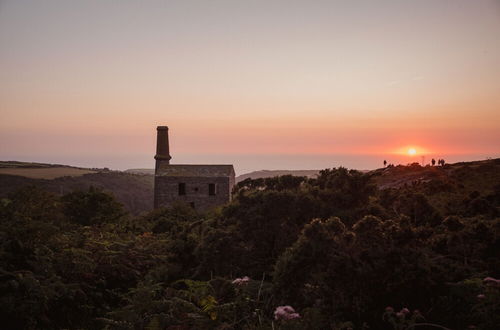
48,173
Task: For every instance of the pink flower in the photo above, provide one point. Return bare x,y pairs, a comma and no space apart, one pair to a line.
405,311
241,281
480,296
285,313
490,281
389,309
400,314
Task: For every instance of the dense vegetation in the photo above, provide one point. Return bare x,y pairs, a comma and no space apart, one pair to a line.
133,188
134,191
334,252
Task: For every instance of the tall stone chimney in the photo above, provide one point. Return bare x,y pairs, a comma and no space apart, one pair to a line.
162,148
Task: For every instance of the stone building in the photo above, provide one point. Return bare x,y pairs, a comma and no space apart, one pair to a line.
201,186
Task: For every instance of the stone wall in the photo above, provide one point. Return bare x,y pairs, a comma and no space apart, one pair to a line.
197,191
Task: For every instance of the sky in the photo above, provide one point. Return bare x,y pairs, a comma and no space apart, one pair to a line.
259,84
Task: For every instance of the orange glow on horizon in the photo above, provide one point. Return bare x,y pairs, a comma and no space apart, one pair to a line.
412,151
249,81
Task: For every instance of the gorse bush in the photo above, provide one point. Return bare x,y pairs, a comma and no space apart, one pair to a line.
287,253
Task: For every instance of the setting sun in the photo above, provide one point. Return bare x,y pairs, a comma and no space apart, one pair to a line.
412,151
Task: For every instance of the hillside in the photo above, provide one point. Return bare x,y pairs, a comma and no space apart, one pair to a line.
332,250
134,187
134,191
17,164
149,171
481,175
273,173
252,175
45,173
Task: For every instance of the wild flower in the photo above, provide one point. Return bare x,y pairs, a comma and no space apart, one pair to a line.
403,320
285,313
241,280
480,296
490,281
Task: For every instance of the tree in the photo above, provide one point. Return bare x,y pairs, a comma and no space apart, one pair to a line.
91,207
342,192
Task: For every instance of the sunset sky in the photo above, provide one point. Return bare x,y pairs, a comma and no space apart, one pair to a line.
260,84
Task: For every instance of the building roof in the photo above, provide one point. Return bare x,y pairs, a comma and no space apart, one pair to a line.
195,170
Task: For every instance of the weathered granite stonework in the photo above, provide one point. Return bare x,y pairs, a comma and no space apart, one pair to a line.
201,186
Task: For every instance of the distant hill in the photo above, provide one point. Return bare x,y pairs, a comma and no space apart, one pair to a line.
448,187
134,191
273,173
475,175
253,175
134,187
148,171
45,172
16,164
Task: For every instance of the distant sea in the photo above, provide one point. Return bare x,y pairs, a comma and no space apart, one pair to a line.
245,163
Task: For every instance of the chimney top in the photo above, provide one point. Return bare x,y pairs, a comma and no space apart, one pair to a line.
162,147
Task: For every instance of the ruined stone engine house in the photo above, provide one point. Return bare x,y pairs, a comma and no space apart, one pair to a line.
200,186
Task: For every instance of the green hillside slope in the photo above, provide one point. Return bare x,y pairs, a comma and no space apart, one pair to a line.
134,191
